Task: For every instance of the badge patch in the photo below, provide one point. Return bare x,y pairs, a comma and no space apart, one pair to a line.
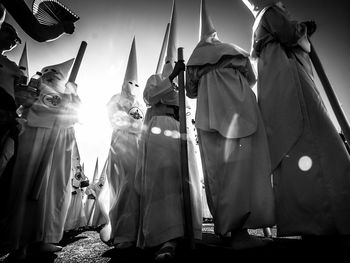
136,113
52,100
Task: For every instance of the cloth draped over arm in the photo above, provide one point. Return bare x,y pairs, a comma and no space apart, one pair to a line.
223,74
160,90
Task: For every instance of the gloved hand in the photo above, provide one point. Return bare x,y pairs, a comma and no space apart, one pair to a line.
179,66
71,87
68,27
310,26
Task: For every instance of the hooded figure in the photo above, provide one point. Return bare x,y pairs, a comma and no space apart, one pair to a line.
159,171
309,161
98,216
9,73
76,217
25,94
38,214
126,117
92,192
231,136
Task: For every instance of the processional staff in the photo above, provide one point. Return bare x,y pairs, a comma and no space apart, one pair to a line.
184,155
333,100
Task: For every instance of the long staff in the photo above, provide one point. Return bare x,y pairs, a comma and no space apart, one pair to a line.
184,155
39,177
333,100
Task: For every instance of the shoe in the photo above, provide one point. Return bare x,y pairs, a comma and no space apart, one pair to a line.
242,240
166,252
124,245
48,248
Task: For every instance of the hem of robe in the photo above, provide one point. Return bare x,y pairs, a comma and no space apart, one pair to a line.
172,233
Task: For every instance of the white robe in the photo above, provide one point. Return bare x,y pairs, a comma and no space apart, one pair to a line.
159,172
232,139
43,219
121,169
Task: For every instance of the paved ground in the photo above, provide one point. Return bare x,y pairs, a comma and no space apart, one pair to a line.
86,247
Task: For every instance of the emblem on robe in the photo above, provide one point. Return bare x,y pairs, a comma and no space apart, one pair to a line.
52,100
78,176
136,113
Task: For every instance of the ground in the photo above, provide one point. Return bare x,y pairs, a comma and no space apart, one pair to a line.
86,246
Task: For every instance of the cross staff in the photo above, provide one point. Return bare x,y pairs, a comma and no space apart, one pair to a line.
184,155
39,177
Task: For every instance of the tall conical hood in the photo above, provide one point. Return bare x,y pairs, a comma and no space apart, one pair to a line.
96,176
162,51
23,61
257,5
131,69
130,78
206,25
172,44
75,155
63,68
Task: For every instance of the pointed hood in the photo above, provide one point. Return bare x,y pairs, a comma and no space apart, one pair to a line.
95,177
75,155
131,69
130,78
62,68
23,61
210,49
257,5
206,27
102,179
162,51
172,44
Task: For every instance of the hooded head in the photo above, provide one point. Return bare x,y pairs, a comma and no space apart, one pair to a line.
130,84
8,37
56,75
255,6
172,44
23,62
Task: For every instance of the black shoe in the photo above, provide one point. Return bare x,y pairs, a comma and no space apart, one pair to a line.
166,252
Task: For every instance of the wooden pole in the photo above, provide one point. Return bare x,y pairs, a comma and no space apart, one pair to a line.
337,109
77,62
184,156
39,177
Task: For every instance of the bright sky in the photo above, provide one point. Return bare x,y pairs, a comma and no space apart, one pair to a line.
108,26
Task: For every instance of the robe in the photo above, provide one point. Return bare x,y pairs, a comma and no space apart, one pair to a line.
158,178
49,130
126,119
76,214
232,138
310,163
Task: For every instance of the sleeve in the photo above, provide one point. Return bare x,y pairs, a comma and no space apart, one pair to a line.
27,21
250,74
156,88
286,31
192,80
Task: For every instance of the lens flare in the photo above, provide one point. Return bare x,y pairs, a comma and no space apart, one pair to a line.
305,163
